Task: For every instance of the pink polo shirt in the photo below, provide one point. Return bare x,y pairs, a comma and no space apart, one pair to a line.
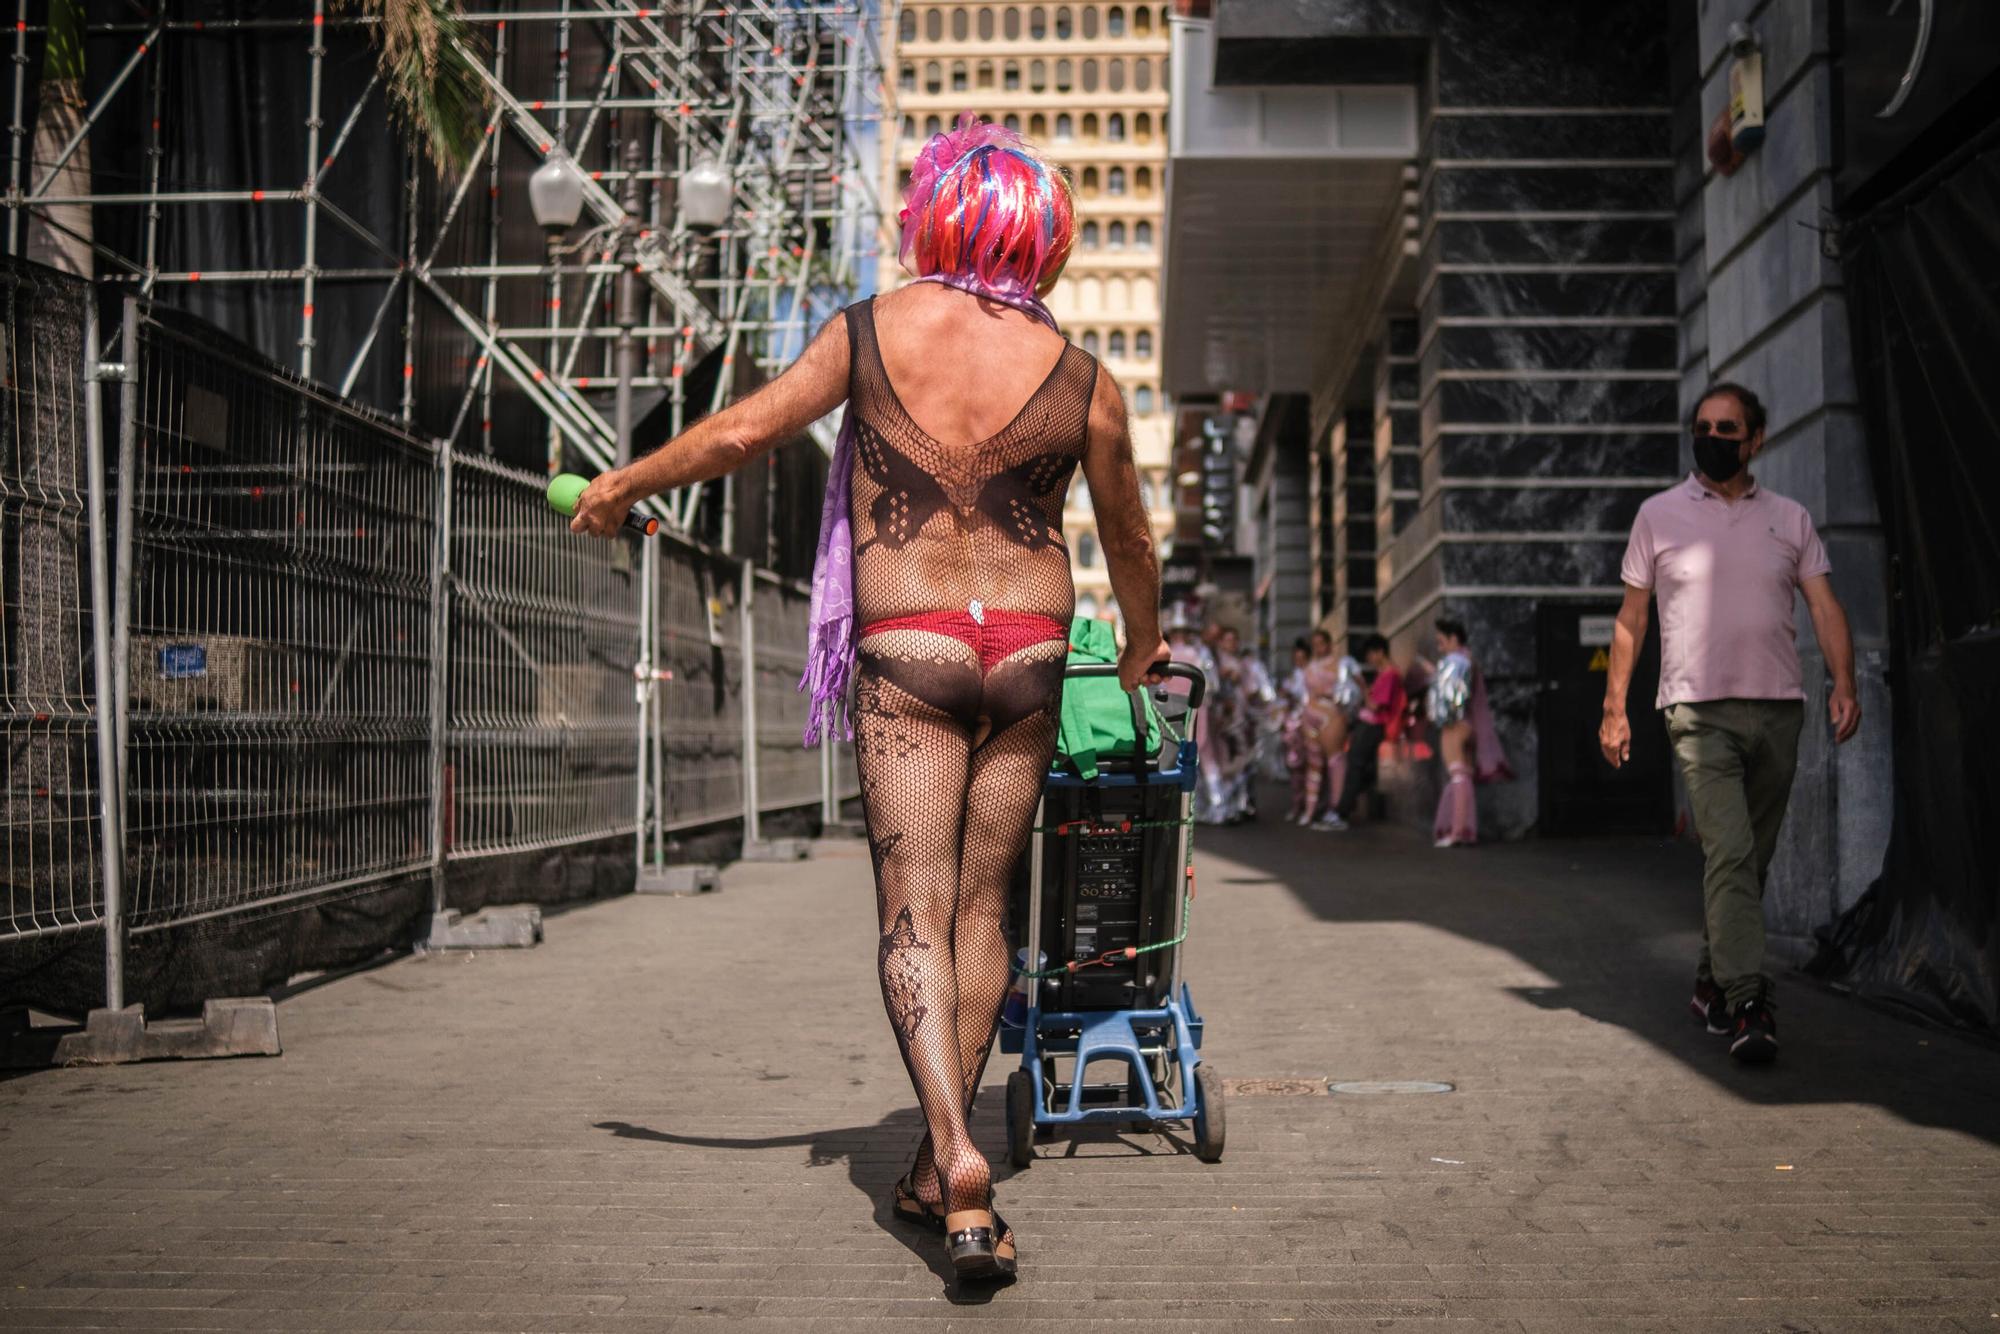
1724,574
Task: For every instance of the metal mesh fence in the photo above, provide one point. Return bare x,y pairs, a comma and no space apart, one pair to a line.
282,546
543,747
698,711
50,864
339,657
787,774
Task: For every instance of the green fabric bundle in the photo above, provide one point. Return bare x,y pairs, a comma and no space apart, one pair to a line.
1098,718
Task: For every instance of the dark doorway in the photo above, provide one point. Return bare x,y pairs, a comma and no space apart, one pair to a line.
1580,792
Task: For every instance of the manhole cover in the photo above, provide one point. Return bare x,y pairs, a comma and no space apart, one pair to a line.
1271,1088
1390,1086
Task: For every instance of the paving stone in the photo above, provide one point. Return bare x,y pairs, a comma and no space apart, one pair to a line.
686,1113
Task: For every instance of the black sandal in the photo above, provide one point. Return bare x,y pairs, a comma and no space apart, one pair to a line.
980,1244
908,1206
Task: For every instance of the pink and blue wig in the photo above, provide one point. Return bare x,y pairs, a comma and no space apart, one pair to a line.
983,206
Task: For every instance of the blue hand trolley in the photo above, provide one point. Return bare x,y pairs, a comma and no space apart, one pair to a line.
1109,876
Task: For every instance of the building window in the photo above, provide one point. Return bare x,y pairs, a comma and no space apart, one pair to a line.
909,127
1116,345
1142,344
1089,74
932,125
1142,127
1090,125
1013,122
1065,127
1114,181
1064,78
1142,75
1090,181
985,25
1010,76
1038,76
1142,238
907,80
906,27
1038,23
961,25
1144,180
934,78
1089,22
1090,344
1142,400
1117,236
934,25
1142,20
1010,23
1038,126
1086,554
1114,127
1089,236
1064,28
959,81
1114,75
1114,21
985,74
1086,606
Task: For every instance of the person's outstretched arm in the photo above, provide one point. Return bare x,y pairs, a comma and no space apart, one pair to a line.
715,446
1125,531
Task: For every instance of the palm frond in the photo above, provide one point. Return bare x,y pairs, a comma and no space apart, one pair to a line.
427,55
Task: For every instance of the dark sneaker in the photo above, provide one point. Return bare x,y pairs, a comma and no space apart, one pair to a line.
1709,1007
1755,1038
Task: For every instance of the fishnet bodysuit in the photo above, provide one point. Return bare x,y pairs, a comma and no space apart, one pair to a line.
963,596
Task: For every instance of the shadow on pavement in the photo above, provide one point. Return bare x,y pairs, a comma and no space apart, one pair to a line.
876,1157
1615,923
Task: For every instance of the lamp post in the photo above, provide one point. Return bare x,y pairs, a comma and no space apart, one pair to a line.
628,304
555,197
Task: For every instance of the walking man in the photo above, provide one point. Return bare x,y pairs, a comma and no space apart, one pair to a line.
1383,710
1723,556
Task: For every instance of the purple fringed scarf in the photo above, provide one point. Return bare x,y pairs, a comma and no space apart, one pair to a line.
830,654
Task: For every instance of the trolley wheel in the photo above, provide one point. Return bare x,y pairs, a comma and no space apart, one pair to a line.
1209,1120
1020,1119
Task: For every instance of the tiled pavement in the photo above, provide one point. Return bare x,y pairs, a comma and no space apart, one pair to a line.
689,1111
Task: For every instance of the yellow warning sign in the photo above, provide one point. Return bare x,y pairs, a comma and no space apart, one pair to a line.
1600,661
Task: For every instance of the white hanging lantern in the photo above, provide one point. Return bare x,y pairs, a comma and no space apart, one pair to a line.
555,194
706,195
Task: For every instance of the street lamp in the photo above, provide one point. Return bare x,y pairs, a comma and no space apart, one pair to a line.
555,193
706,195
555,196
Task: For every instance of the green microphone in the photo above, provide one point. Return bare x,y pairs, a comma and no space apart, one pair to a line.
566,488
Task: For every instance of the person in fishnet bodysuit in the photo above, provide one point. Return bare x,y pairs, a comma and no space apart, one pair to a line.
959,702
962,597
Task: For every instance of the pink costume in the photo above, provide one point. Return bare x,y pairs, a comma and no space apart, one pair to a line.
1313,792
1457,821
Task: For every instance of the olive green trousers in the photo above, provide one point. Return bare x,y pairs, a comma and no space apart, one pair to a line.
1737,757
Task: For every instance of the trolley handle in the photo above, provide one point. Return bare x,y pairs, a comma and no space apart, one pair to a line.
1177,670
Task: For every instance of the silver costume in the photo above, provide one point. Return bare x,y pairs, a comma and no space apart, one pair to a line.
1450,695
1350,691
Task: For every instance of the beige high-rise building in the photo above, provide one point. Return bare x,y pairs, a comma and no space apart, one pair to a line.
1086,83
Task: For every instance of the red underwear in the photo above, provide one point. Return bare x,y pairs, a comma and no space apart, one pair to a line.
994,636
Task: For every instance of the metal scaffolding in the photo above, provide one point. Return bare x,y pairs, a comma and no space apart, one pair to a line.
786,95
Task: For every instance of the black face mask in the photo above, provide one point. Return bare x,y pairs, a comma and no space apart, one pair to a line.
1718,457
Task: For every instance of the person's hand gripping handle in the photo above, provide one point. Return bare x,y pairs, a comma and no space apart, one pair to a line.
566,490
